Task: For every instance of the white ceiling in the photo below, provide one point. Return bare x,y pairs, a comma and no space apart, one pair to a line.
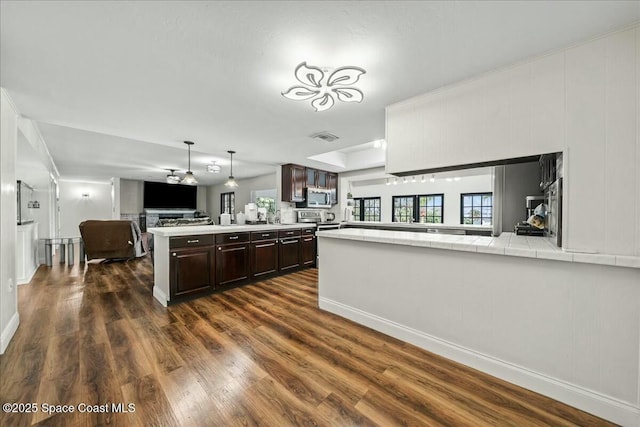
117,86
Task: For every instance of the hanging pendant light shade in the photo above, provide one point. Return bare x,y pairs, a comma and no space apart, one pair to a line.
231,182
189,179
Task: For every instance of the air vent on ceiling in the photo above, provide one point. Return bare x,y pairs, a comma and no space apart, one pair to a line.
325,136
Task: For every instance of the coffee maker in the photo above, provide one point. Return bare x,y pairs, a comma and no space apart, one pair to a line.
524,228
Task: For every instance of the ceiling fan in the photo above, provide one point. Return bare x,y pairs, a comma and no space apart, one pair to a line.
172,178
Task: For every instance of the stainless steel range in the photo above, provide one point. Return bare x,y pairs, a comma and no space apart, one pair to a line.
317,217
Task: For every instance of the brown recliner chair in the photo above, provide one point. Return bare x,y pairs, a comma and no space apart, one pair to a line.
111,239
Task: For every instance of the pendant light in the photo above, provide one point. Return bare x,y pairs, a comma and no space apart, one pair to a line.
172,178
189,179
231,182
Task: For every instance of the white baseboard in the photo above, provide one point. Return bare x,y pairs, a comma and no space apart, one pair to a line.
160,295
27,280
587,400
9,331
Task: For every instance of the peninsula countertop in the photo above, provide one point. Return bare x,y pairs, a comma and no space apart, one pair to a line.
191,230
508,244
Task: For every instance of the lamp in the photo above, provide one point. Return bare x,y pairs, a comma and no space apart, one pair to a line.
172,178
231,182
322,91
213,168
189,179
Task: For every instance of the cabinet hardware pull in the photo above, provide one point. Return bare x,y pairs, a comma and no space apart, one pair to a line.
174,254
233,237
193,241
265,235
219,248
265,246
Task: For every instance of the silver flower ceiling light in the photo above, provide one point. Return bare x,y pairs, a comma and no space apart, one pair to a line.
189,179
321,87
172,178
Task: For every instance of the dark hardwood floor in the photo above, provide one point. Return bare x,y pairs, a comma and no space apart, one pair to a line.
262,354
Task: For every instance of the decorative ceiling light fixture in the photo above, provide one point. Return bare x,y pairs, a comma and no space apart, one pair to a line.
423,180
432,179
321,91
413,179
189,179
172,178
387,183
213,167
231,182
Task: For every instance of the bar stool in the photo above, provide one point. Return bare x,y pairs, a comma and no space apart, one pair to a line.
49,243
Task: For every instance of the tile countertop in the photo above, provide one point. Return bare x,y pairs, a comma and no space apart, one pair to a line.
508,244
191,230
419,225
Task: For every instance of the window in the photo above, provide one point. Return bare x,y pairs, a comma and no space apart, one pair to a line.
228,204
430,207
476,208
367,209
403,208
423,208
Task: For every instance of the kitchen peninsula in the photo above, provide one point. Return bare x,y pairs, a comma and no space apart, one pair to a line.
564,324
197,260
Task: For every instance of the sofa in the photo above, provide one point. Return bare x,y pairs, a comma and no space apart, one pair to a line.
111,239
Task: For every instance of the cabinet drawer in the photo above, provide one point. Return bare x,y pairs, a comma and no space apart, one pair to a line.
222,239
308,230
263,235
191,241
288,233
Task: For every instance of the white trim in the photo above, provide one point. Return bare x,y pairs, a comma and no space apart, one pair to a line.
9,331
27,280
160,295
587,400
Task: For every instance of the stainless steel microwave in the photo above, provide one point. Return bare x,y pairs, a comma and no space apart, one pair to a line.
318,198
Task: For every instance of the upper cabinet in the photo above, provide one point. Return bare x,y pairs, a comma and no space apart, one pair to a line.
296,178
332,184
294,181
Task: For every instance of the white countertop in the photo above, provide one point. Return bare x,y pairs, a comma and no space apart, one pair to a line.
508,244
421,225
191,230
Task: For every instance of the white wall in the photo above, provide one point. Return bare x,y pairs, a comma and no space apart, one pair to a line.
131,196
242,193
451,191
583,101
74,208
9,318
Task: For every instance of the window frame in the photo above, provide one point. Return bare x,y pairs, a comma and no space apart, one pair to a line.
359,207
482,195
232,203
416,208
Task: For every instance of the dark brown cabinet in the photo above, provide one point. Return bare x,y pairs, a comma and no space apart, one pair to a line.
232,258
264,253
308,248
332,185
289,249
294,181
191,266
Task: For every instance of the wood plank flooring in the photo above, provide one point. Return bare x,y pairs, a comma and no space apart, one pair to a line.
259,355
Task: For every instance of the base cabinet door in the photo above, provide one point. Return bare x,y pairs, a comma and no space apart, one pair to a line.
232,264
289,253
191,271
308,251
264,258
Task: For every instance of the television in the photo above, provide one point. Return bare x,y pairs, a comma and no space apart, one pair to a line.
158,195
